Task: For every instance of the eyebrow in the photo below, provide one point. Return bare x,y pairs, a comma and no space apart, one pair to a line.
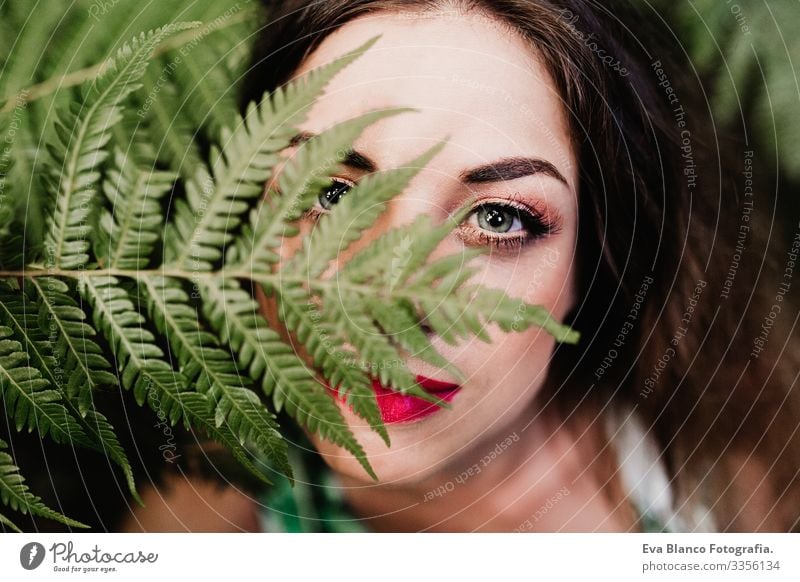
509,168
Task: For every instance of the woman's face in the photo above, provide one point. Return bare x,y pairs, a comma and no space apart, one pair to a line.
483,89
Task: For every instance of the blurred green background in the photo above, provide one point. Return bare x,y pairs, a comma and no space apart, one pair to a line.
746,52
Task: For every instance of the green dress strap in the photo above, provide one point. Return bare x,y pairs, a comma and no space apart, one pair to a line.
315,503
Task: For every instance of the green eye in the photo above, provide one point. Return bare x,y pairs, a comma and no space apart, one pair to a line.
498,218
331,195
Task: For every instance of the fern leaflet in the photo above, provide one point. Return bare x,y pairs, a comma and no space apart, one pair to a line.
15,494
212,370
84,133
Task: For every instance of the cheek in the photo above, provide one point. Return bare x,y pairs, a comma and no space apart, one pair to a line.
520,358
513,363
542,276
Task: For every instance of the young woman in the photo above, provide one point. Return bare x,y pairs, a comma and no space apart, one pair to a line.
603,193
603,196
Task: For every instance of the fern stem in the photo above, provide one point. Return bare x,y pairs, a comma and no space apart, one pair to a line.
279,281
39,90
268,279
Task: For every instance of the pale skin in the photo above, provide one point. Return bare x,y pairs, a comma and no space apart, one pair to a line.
484,90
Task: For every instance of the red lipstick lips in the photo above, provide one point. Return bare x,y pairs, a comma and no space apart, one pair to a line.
398,408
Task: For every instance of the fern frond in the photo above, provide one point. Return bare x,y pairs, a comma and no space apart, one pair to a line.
15,494
83,135
370,263
131,230
30,401
357,211
207,89
203,417
11,242
20,315
355,323
408,246
212,370
144,369
166,117
400,323
9,524
142,365
236,317
338,365
205,224
299,183
7,205
73,340
464,311
439,288
413,263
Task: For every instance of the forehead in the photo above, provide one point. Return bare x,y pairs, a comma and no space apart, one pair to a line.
470,79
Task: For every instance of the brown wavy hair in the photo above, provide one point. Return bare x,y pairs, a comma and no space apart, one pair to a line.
677,278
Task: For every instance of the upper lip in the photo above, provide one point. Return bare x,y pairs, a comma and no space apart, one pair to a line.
433,385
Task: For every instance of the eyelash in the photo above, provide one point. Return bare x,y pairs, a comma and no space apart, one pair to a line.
536,222
314,213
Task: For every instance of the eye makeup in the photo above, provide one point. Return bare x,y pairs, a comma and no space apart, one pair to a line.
532,221
489,223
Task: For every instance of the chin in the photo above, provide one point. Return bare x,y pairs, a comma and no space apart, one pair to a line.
406,462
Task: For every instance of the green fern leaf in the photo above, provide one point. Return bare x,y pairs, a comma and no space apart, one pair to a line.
7,206
464,311
166,118
202,417
212,370
235,317
141,363
73,340
9,524
370,264
12,245
83,136
207,88
20,315
132,229
15,494
362,206
300,182
337,364
215,203
355,323
399,322
393,257
29,399
418,251
144,369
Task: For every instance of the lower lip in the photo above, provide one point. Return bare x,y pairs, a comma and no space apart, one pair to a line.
398,408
